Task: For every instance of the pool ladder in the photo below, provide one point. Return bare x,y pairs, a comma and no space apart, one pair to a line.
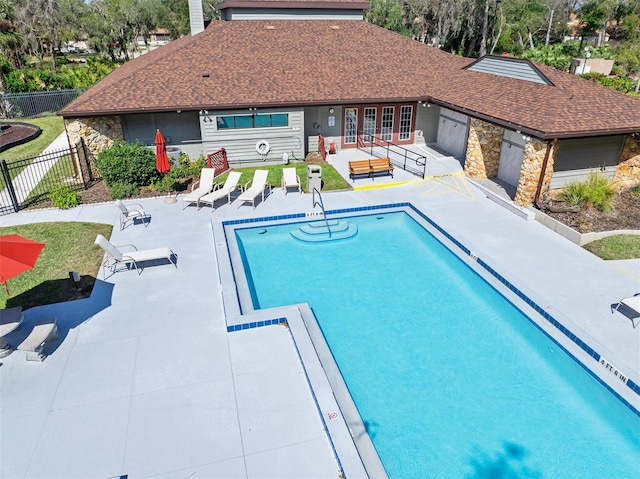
319,203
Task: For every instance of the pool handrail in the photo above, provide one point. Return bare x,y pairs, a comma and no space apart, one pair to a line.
321,205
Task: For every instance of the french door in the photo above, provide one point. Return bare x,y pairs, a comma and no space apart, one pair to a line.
393,123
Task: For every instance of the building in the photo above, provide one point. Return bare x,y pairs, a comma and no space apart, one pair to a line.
285,71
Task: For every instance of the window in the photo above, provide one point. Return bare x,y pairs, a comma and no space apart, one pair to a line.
387,123
369,127
350,125
262,120
406,112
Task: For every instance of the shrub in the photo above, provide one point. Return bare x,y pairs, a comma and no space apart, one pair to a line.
635,191
64,197
129,164
119,190
597,192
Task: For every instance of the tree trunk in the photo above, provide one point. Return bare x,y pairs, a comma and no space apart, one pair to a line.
531,45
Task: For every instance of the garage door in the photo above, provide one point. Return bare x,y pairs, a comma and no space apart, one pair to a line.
452,132
577,158
511,156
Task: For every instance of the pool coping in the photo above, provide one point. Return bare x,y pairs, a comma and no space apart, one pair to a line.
585,350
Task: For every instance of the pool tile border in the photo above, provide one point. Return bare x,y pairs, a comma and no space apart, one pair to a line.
548,317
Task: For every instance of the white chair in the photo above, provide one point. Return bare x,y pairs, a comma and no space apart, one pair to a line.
290,180
230,185
135,257
633,304
258,185
200,188
127,213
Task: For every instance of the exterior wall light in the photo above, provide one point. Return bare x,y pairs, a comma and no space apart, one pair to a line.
331,111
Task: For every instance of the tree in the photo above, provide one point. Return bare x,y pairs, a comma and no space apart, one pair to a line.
387,14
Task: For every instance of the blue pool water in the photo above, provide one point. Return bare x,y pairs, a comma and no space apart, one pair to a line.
450,379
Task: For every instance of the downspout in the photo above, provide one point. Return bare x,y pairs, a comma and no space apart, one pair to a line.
536,199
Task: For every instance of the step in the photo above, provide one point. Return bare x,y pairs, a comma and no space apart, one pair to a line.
350,232
321,228
322,223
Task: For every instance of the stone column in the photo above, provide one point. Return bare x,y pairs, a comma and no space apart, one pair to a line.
98,132
534,153
483,149
628,171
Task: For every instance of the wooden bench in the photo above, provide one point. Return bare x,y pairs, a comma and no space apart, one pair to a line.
381,165
370,167
43,331
359,167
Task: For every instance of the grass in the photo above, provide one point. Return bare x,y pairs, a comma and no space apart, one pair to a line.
51,127
331,179
616,247
69,248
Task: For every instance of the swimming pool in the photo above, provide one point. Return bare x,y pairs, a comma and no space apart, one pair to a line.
449,377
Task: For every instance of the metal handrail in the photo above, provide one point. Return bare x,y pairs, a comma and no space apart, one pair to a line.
412,156
321,205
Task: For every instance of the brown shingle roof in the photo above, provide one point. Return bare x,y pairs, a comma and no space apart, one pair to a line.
324,4
297,62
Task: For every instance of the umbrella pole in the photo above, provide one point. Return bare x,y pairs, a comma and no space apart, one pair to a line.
169,199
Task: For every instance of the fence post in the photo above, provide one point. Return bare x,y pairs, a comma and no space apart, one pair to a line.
9,183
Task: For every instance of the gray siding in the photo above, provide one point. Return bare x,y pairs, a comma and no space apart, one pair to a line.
578,158
290,14
509,69
240,144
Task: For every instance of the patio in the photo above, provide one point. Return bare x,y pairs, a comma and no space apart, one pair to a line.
145,380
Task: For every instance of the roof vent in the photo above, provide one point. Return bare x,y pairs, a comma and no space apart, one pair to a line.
205,75
335,27
270,27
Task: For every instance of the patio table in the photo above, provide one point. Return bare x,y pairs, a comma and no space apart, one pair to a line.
10,320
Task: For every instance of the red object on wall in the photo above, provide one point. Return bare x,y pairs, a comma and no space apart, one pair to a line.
332,148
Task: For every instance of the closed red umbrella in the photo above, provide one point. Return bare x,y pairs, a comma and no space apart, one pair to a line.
17,255
162,162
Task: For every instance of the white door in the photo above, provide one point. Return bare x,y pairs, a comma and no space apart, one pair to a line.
511,157
452,132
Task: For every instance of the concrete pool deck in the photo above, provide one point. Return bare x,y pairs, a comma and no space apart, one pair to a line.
145,380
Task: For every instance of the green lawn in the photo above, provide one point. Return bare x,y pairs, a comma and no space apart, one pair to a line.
69,248
51,127
616,247
331,179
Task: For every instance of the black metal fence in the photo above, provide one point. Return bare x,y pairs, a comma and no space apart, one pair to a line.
408,160
24,105
29,182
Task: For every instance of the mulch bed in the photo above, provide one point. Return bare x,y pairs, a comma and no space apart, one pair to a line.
624,216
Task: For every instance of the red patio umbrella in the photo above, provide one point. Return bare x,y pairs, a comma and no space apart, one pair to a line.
162,162
17,255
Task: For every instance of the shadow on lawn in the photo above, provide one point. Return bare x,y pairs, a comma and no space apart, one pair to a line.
54,291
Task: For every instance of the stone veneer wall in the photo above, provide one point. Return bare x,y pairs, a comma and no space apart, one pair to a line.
483,149
534,152
98,132
628,171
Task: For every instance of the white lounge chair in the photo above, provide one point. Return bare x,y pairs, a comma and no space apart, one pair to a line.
220,191
200,188
258,185
632,303
128,213
290,179
135,257
43,331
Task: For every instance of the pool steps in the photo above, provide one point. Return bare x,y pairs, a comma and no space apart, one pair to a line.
318,231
